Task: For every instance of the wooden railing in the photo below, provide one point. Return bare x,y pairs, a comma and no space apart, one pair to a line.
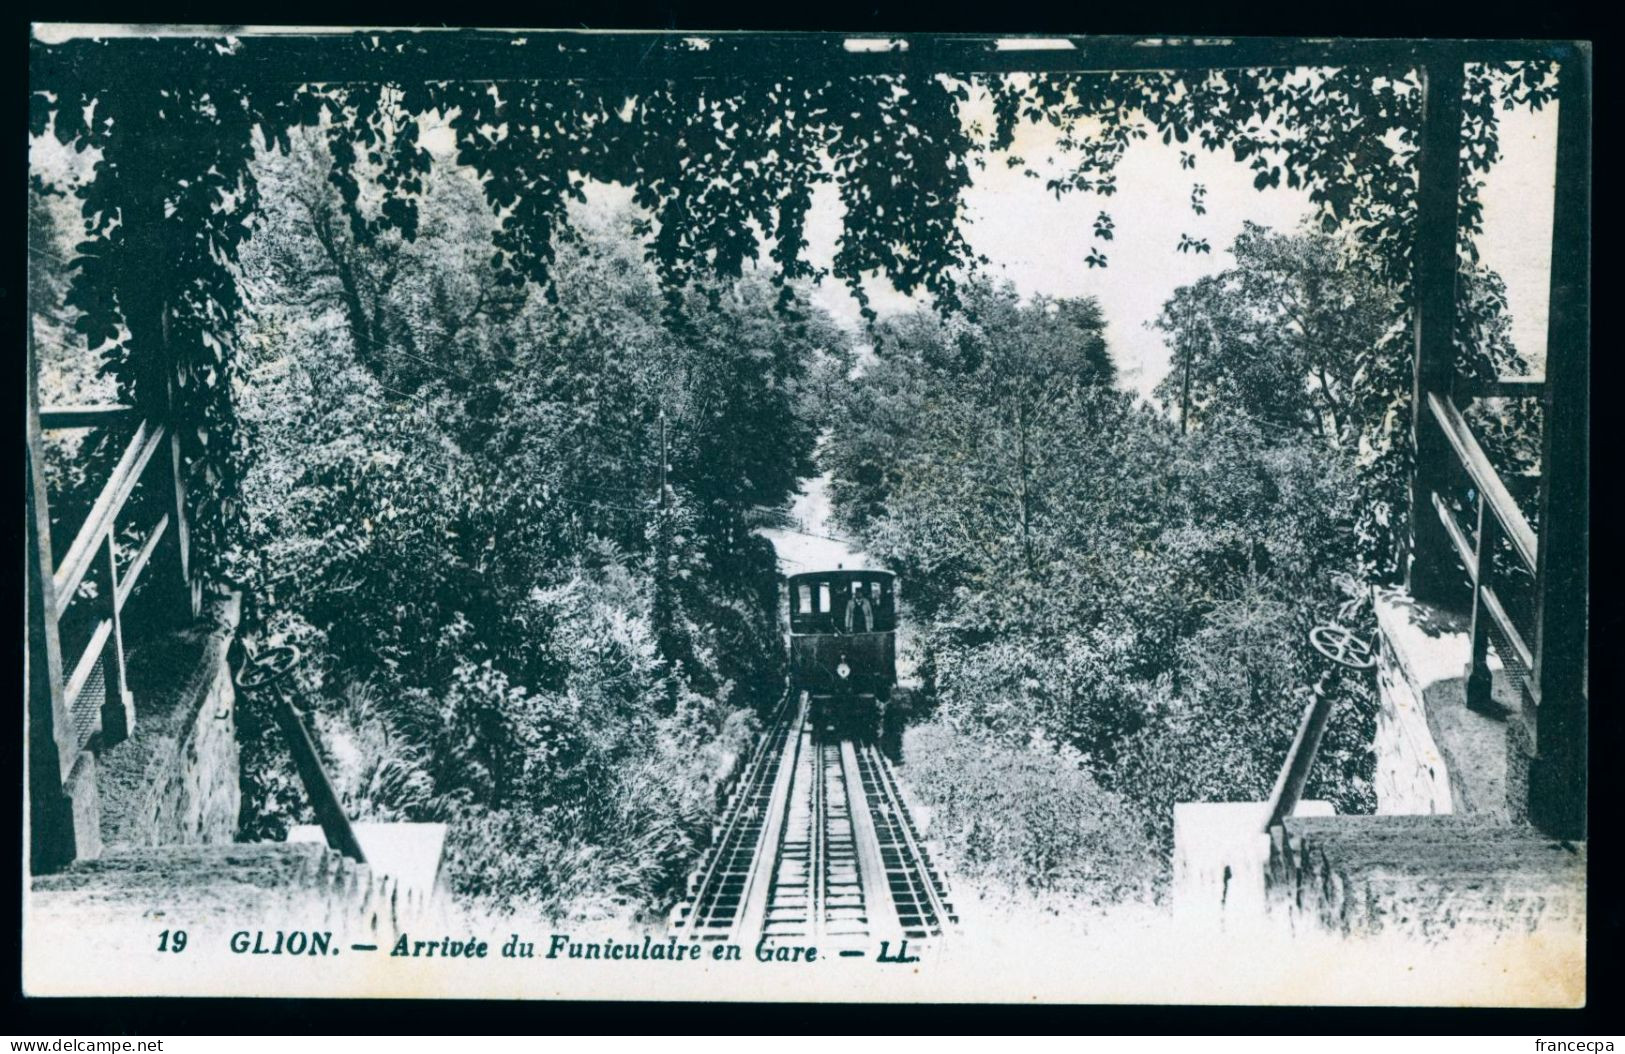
1528,588
82,700
1498,518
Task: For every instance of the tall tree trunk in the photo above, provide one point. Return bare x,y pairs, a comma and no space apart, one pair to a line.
363,330
1025,491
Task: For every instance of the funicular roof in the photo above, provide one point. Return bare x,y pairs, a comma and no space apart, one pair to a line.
839,575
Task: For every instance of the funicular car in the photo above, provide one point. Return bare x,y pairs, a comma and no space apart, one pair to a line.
843,649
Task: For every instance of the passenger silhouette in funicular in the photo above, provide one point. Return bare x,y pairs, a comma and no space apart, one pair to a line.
860,614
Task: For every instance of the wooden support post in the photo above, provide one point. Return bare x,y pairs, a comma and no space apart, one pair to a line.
1430,569
1483,570
1557,777
324,801
1300,757
118,709
55,839
191,589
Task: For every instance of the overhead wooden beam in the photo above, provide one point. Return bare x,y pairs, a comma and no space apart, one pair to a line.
1501,388
346,55
85,416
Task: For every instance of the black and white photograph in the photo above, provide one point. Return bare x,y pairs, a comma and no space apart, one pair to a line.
806,516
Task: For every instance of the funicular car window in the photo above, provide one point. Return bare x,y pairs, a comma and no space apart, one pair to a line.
823,596
805,603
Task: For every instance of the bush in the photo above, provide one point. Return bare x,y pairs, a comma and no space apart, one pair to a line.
450,509
1074,688
1028,817
378,771
624,848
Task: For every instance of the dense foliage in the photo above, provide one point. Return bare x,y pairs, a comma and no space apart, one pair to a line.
1092,579
1279,337
454,509
1115,600
1029,818
1302,335
723,167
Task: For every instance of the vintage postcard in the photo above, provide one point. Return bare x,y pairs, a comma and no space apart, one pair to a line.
744,516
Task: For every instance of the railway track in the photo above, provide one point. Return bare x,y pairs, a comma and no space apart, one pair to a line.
816,847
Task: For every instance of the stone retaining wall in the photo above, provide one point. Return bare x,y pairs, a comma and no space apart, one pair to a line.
1426,876
175,781
221,887
1411,776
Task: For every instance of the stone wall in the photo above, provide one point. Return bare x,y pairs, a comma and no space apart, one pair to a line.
228,887
1413,653
1425,876
1442,854
1221,854
175,780
1435,754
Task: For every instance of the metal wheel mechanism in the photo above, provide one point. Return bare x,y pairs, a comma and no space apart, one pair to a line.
268,666
1343,647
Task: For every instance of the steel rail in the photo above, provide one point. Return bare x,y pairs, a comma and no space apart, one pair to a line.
818,852
877,898
707,891
915,858
759,879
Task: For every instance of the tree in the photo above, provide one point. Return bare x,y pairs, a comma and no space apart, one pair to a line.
742,437
1280,337
1083,573
67,374
399,297
721,167
1300,337
962,414
463,529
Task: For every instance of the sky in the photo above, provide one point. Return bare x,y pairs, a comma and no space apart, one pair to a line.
1039,243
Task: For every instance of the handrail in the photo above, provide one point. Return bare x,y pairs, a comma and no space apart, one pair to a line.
1492,604
1342,650
1500,388
329,813
103,514
269,671
1457,538
1300,758
1484,476
85,416
126,583
87,660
